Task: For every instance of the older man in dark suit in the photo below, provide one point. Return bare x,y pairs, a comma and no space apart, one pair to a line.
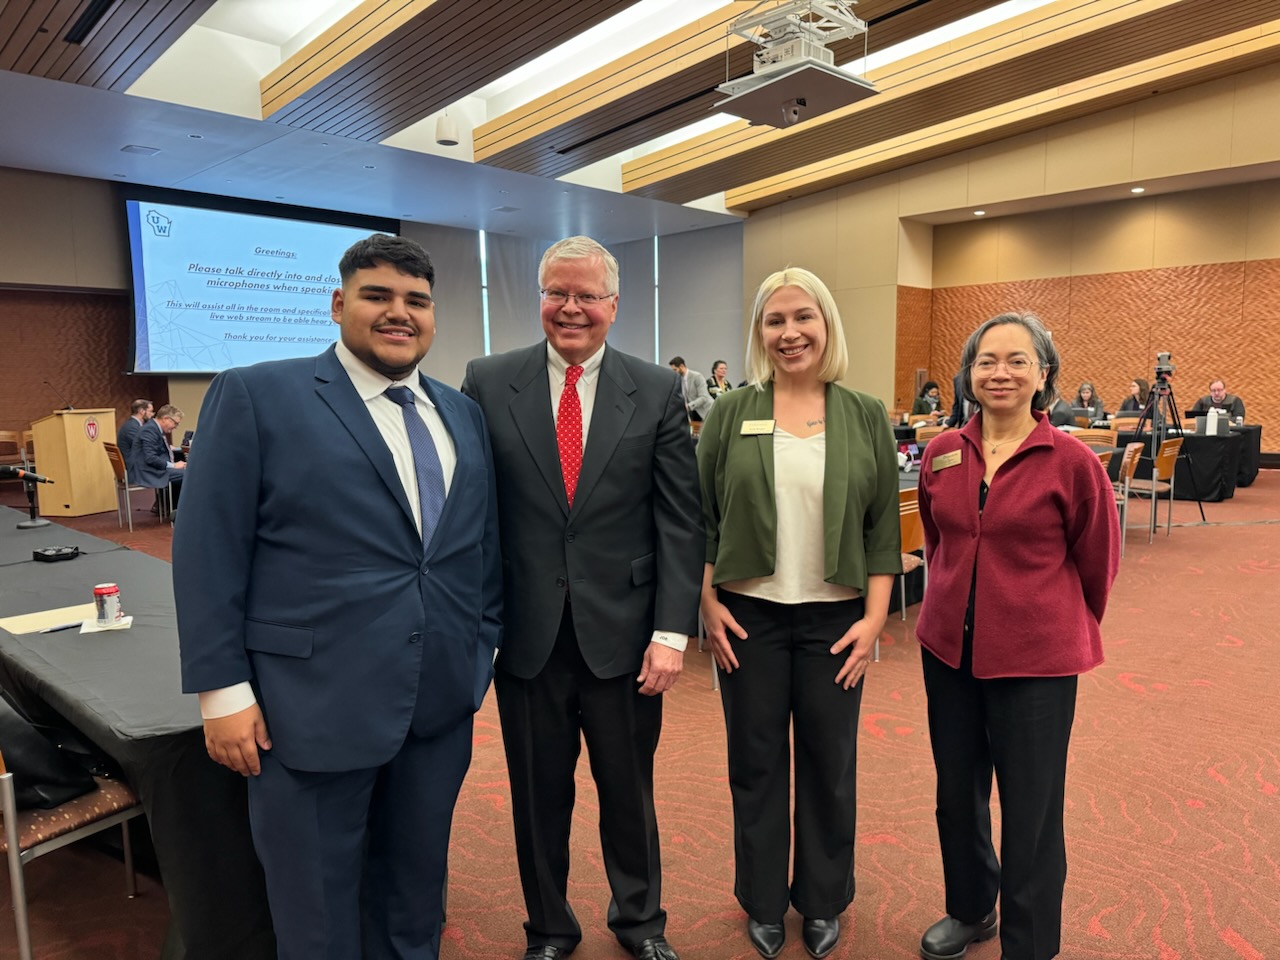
602,553
339,590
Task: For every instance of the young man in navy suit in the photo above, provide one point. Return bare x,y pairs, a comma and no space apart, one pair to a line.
603,550
339,587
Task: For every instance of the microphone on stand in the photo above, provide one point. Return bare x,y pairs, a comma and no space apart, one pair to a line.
18,473
59,395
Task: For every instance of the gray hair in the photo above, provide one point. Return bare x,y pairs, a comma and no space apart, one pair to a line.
1042,343
835,358
581,248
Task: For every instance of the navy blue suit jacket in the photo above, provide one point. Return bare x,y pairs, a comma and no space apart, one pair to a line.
151,458
298,566
126,437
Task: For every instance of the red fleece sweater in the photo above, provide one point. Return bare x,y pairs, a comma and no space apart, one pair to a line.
1047,548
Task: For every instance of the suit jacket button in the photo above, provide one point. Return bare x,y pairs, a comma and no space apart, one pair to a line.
560,582
413,637
569,538
425,571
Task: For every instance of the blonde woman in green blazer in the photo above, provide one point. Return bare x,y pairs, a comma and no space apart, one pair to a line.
800,496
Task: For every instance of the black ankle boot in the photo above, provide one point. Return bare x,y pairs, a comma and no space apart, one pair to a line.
820,936
767,938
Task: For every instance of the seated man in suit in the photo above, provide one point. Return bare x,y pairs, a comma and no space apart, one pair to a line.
140,411
1217,397
339,588
697,398
153,464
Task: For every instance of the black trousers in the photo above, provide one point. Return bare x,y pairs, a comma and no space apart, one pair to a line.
1020,728
785,678
544,721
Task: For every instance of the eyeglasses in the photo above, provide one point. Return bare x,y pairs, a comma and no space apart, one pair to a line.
559,298
1017,367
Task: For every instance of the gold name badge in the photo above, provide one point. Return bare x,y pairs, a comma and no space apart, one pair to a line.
756,428
946,460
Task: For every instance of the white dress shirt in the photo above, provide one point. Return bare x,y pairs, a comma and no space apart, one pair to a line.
388,418
587,383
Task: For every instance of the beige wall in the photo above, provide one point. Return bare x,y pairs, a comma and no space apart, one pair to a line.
853,237
61,232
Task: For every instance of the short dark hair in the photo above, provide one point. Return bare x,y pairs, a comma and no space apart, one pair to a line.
928,385
676,362
138,406
1042,343
404,254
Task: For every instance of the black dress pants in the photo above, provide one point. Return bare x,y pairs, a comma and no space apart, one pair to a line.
544,721
1020,728
785,677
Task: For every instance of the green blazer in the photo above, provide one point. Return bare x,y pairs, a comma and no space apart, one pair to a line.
859,494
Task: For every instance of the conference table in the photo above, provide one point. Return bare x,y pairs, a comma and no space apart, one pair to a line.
121,691
1208,467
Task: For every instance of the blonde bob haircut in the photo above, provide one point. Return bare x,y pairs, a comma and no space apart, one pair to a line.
835,358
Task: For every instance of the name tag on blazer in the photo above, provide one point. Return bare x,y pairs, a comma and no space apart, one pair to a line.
757,428
946,460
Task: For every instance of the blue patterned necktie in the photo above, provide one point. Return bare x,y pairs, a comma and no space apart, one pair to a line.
426,462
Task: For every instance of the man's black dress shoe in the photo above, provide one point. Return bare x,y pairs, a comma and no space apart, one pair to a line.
820,936
767,938
654,948
545,951
949,938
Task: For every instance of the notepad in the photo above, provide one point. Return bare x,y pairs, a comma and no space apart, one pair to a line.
35,622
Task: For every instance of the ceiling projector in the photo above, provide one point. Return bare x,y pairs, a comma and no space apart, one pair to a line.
793,73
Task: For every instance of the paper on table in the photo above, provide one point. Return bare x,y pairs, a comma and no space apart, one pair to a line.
35,622
91,625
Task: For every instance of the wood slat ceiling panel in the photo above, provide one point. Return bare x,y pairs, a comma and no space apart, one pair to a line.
371,90
126,42
1071,61
389,98
573,126
802,182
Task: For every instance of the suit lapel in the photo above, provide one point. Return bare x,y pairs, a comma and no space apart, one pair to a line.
334,387
530,408
835,477
612,411
761,408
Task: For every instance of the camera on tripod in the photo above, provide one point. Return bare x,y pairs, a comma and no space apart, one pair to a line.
1164,369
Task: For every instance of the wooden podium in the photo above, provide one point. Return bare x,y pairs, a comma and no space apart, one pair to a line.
69,452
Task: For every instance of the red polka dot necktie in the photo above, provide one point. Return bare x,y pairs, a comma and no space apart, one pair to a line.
569,431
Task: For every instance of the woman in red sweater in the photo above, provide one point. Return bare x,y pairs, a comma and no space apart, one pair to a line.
1023,545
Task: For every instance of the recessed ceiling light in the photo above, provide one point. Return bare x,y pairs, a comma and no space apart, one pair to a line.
369,166
120,175
1137,189
195,136
140,149
278,197
979,213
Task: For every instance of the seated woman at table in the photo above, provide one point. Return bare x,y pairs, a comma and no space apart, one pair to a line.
929,403
1136,401
1087,399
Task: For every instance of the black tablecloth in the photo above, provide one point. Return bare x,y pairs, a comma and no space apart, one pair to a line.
1250,453
1206,470
121,690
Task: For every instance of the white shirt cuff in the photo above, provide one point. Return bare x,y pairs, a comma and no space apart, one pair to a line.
226,701
676,641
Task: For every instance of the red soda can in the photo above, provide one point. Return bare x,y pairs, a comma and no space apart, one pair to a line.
106,599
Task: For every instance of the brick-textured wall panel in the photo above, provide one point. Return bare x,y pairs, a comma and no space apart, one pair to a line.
1217,319
79,342
1261,289
912,351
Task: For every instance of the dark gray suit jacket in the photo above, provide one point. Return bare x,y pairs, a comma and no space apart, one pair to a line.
629,553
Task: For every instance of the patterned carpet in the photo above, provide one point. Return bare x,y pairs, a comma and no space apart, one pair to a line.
1173,804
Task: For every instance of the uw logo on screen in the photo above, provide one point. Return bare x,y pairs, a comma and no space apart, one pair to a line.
160,224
